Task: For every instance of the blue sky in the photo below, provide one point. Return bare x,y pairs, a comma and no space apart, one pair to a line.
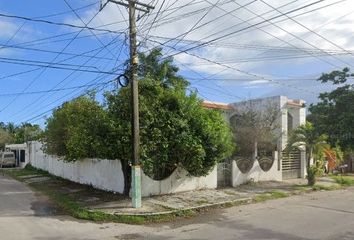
244,58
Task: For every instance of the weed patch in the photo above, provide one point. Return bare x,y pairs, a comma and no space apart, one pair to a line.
344,180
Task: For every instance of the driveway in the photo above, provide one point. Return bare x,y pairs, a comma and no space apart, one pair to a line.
319,215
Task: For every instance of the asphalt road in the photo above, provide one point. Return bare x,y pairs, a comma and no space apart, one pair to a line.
321,215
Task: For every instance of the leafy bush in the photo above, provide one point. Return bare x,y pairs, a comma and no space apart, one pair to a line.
313,172
78,129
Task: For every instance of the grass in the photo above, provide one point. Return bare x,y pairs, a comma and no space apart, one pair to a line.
319,187
270,195
345,181
202,201
28,170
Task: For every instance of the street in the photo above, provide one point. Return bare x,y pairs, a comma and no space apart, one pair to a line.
319,215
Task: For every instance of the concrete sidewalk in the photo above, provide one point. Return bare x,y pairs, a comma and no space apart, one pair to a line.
246,193
116,204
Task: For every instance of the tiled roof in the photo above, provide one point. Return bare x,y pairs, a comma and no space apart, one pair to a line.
216,105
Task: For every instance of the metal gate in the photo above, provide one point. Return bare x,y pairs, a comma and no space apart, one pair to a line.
291,164
224,174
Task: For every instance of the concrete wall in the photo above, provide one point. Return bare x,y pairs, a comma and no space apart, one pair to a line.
256,174
108,175
101,174
178,181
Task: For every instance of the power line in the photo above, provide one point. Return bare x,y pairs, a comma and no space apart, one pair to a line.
245,72
196,24
57,23
157,14
64,60
92,32
301,39
36,100
51,51
310,30
52,109
61,66
242,29
52,90
45,67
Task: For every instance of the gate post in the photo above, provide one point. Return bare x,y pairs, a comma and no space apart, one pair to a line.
303,171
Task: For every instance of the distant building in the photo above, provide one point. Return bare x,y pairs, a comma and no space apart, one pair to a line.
20,151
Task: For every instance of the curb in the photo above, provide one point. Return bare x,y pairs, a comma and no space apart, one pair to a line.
204,206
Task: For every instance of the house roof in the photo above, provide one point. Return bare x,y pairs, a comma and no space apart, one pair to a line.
296,103
216,105
16,146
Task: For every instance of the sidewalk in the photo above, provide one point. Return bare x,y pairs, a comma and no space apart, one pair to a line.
246,193
85,202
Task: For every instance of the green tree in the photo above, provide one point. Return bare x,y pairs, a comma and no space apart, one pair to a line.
5,137
27,132
11,133
333,115
174,130
78,129
154,66
306,137
174,127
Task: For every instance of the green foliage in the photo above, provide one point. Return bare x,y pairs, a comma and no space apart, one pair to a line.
5,137
174,130
174,127
305,136
344,180
78,129
334,114
274,194
153,66
314,171
27,132
11,133
339,155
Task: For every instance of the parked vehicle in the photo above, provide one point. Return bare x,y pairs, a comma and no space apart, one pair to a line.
7,159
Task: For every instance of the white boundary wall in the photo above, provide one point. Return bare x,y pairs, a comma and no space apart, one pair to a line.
108,175
101,174
256,173
178,181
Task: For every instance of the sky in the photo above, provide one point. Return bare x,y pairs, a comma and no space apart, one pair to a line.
229,50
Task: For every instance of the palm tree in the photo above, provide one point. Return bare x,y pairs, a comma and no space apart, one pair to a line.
155,66
306,137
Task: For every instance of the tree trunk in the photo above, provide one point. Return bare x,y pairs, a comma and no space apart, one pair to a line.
309,157
126,169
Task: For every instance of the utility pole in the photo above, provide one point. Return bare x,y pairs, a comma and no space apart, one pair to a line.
136,169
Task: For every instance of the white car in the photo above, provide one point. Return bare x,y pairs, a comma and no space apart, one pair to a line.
7,159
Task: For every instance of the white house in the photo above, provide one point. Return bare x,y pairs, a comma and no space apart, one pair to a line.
21,153
292,113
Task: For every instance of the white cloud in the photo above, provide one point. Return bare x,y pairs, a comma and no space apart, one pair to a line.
7,29
333,22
